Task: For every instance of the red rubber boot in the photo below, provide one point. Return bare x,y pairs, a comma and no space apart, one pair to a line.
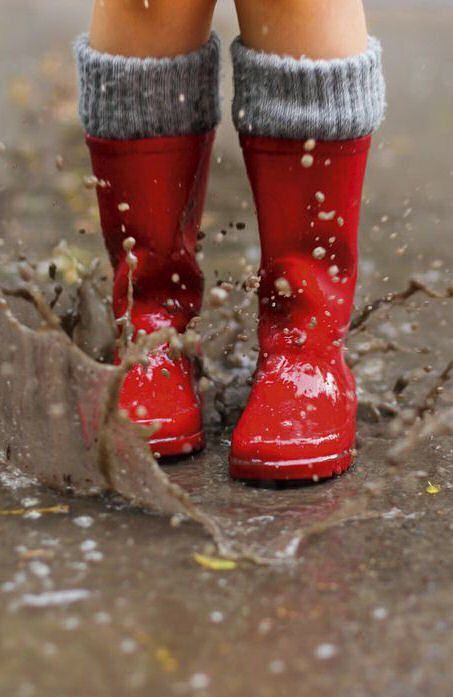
299,422
154,190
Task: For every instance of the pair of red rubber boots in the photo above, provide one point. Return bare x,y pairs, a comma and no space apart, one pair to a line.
299,422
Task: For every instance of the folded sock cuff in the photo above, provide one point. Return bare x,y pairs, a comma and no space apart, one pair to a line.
130,98
285,97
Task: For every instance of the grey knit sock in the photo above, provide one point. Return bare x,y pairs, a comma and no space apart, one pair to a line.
127,98
284,97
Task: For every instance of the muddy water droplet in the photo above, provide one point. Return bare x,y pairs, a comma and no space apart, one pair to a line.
217,297
310,145
283,287
319,253
326,215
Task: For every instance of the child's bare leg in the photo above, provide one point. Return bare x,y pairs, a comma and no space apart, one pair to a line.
155,28
314,28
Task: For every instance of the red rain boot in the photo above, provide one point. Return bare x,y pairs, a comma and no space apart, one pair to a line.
299,422
154,190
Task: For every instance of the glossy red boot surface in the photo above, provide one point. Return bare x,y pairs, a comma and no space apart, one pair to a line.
153,190
300,419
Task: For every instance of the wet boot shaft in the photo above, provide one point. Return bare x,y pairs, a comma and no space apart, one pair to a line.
308,206
153,190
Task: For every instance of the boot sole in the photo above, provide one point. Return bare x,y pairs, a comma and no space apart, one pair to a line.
178,445
291,470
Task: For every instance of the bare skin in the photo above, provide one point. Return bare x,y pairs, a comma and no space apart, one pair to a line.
155,28
313,28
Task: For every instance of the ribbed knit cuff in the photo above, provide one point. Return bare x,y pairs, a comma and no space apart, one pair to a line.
284,97
129,98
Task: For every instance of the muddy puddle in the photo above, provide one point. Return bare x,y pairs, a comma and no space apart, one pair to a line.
59,423
58,418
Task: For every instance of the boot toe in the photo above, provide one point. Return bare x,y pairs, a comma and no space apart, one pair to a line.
295,429
290,457
164,393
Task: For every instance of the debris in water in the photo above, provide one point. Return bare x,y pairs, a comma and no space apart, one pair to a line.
432,488
167,661
59,508
29,554
214,563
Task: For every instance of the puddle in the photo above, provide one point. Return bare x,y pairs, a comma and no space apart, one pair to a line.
59,425
58,419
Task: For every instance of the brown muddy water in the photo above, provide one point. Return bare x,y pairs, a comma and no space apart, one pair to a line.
99,597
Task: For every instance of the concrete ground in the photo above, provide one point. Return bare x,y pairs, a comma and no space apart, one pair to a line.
100,599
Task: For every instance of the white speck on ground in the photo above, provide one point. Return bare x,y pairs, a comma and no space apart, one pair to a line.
83,521
54,598
325,651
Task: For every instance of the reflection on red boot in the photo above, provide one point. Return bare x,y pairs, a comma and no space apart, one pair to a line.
299,422
153,190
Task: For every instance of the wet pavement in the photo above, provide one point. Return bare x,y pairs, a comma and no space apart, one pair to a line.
98,598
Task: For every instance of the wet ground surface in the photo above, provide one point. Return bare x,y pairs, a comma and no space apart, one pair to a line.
97,598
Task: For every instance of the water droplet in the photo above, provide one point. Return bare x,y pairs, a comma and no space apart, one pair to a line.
326,215
319,253
307,161
283,287
326,651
